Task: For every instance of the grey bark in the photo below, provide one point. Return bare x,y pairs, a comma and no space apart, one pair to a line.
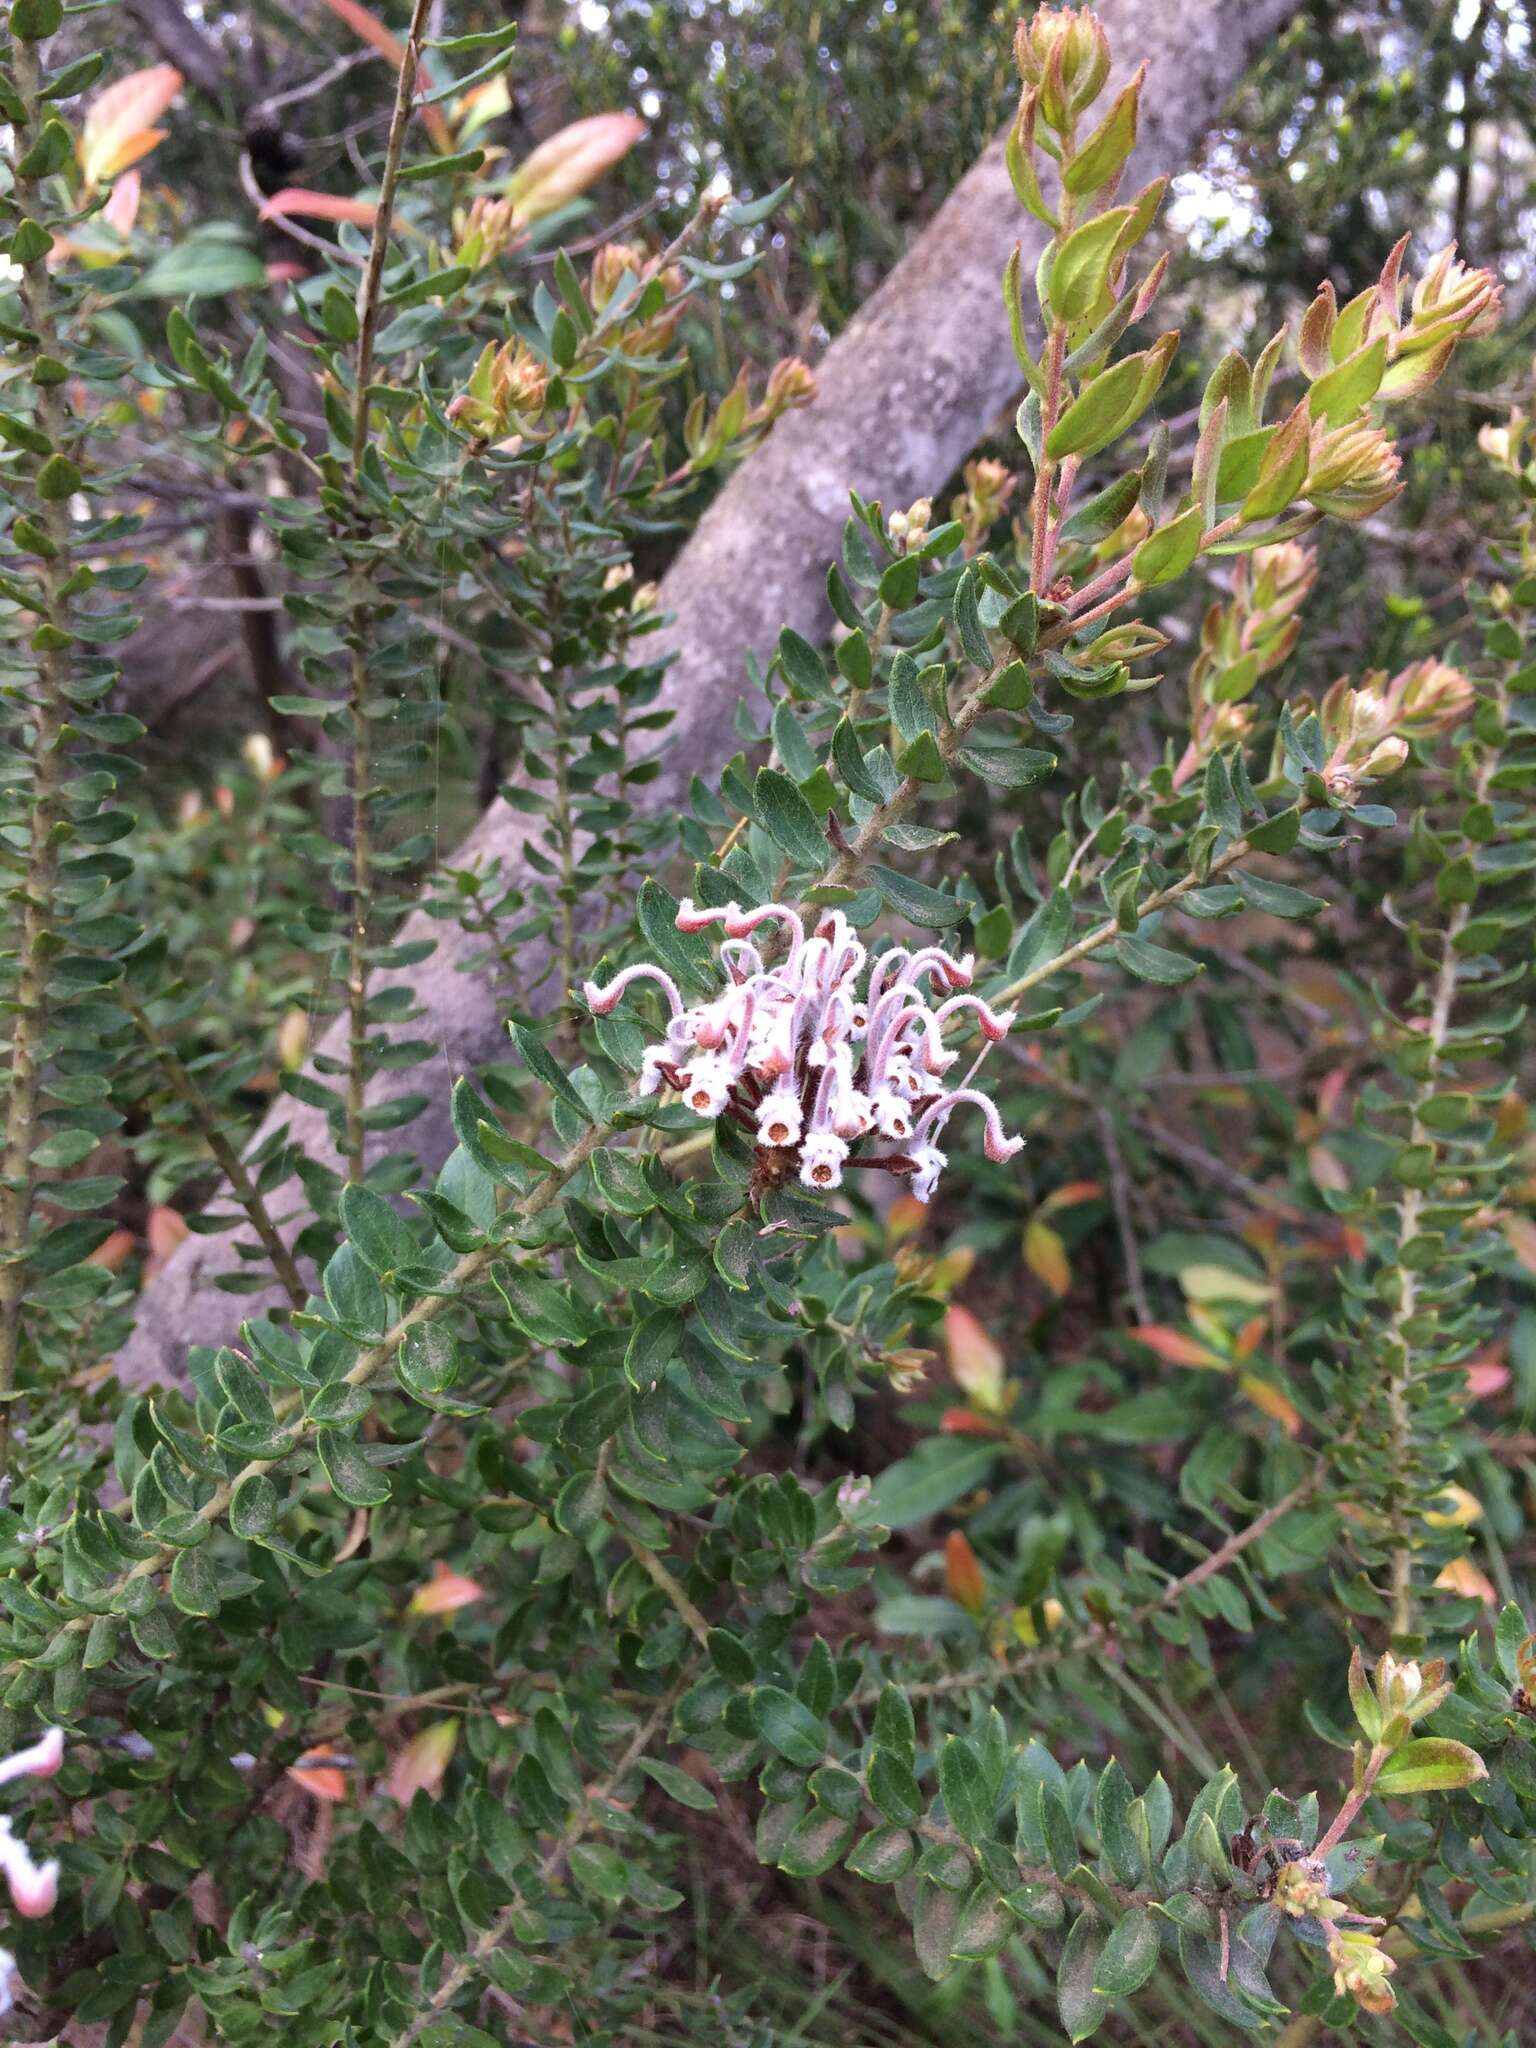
905,393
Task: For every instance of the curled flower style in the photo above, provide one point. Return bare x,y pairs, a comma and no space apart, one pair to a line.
34,1887
822,1049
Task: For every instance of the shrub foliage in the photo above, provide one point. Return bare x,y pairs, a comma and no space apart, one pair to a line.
385,1668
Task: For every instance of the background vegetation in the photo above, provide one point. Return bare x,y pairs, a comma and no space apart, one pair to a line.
556,1616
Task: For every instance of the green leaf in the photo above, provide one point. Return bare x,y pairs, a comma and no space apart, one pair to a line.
194,1585
1009,767
1154,963
895,1727
1103,155
1340,392
803,667
351,1477
353,1291
678,1785
580,1505
430,1359
1056,1829
1277,834
210,263
443,166
1129,1956
1169,551
538,1307
963,1783
1100,516
539,1062
784,813
848,759
926,1483
1080,266
967,611
884,1857
921,759
788,1725
255,1506
1082,2008
1043,937
915,900
1098,412
894,1788
1430,1763
816,1843
379,1235
652,1347
1279,899
599,1871
750,213
1112,1802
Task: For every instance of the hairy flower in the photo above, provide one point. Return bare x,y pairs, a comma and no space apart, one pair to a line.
823,1048
1361,1967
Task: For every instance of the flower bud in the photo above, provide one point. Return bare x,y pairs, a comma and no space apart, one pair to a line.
1385,759
988,487
791,383
1502,444
613,261
507,384
1301,1888
1353,470
1063,53
484,232
852,1492
1400,1685
1431,697
257,752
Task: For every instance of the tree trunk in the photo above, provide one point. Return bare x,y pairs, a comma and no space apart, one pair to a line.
906,392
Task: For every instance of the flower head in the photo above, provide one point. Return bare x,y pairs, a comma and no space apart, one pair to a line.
814,1049
1361,1967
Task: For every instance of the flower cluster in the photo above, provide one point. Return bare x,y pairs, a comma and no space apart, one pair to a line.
1368,729
34,1887
824,1048
1450,303
1240,641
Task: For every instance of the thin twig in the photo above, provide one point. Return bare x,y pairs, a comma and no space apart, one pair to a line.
244,1189
1120,1197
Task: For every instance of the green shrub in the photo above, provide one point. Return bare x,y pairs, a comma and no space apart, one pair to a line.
530,1531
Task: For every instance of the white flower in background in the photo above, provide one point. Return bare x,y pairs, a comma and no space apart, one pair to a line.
33,1886
810,1062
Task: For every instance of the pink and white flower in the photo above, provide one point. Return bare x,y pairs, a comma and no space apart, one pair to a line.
812,1046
